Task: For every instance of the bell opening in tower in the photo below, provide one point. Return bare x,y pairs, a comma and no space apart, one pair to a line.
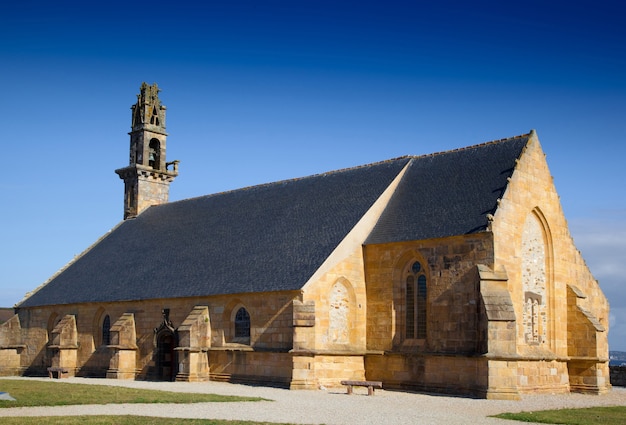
154,159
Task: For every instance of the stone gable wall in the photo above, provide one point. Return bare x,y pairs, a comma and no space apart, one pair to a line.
531,197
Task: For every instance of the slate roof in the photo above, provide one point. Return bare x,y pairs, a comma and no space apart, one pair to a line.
449,193
273,237
265,238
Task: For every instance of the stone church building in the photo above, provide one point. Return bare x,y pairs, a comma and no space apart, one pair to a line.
453,272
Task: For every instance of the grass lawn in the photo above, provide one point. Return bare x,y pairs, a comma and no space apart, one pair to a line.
54,393
615,415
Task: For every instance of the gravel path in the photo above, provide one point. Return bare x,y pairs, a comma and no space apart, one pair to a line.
322,407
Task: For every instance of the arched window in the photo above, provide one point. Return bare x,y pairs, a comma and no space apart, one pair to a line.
154,119
106,330
416,296
339,313
535,281
154,154
242,324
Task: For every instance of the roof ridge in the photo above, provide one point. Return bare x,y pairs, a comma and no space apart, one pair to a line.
478,145
278,182
342,170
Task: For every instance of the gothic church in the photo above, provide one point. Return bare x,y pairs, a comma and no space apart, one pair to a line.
453,272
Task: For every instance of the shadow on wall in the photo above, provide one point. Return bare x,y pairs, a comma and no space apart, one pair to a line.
97,364
40,363
457,325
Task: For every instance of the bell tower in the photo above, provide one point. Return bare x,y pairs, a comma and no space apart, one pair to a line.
148,176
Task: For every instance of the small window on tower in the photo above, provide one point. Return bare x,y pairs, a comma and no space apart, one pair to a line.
154,119
154,154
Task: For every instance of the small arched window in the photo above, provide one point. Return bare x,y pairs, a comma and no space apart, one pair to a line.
106,330
154,154
242,323
416,297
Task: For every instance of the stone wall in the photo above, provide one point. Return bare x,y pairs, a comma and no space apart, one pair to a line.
545,376
618,376
447,374
453,297
249,367
270,317
447,359
10,346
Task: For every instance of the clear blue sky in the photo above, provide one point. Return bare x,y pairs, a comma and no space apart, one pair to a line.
264,90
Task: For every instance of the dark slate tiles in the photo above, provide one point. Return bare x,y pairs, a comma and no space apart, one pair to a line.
449,193
264,238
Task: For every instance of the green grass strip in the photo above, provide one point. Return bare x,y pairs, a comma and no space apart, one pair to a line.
29,393
614,415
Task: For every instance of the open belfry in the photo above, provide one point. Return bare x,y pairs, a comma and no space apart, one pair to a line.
147,177
450,272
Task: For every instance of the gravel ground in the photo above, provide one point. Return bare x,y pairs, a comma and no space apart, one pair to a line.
329,407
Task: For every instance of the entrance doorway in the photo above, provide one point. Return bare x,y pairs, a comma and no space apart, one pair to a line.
166,356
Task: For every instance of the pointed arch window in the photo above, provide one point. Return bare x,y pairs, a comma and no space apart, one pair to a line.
416,295
106,330
535,281
242,324
154,119
339,314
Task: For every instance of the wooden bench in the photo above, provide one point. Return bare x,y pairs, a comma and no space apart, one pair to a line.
369,384
60,371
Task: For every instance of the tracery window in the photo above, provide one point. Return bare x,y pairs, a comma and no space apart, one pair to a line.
416,296
532,318
106,330
242,323
534,280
